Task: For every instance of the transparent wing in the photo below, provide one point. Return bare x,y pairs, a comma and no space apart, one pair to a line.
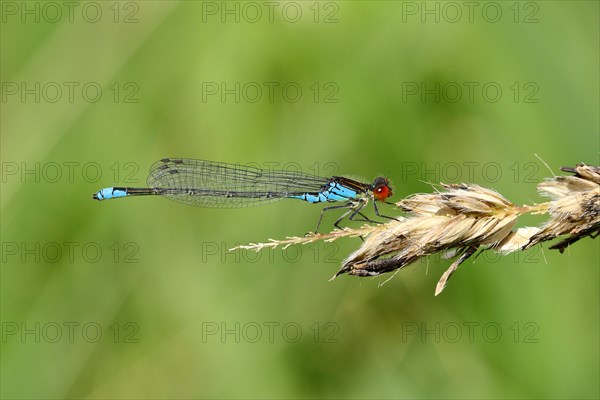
223,185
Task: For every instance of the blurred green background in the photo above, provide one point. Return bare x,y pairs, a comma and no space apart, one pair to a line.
139,298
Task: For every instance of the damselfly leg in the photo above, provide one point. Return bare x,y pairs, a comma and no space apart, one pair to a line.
347,205
354,209
381,215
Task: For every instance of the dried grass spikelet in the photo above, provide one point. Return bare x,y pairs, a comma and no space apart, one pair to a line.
463,218
574,209
309,238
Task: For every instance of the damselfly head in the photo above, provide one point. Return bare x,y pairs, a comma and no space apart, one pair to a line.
381,188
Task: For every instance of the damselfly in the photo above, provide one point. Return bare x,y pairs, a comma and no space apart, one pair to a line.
222,185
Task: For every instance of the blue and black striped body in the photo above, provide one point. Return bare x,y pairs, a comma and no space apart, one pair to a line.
334,190
221,185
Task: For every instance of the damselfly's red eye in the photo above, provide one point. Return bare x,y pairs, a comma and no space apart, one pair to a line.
381,188
382,192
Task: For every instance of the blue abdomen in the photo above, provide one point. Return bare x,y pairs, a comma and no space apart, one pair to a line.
110,193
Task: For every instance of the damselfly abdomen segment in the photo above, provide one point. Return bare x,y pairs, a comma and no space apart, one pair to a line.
222,185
